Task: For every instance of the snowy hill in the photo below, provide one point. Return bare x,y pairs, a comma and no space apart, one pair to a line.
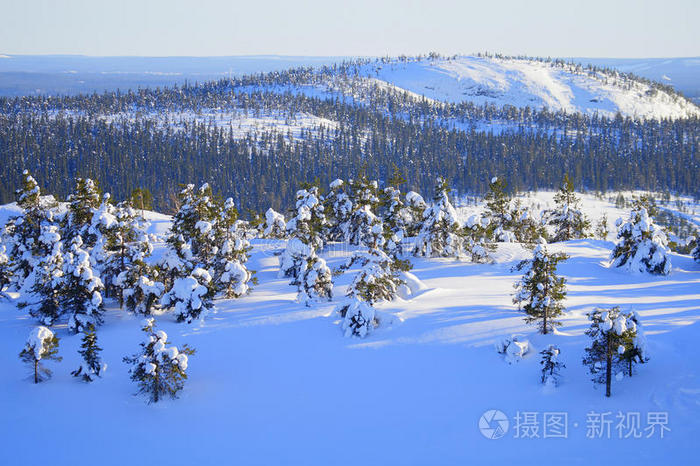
534,83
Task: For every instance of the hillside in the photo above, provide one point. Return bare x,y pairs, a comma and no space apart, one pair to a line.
533,83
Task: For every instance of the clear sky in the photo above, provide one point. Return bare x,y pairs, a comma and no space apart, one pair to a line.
593,28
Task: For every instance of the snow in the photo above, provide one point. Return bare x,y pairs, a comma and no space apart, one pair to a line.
275,382
521,82
36,339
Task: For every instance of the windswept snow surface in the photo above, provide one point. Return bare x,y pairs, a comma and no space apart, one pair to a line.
275,382
520,82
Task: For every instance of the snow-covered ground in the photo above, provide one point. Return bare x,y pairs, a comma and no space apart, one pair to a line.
528,83
274,382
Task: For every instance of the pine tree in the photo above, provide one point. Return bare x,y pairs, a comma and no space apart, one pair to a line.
45,292
5,271
275,225
696,251
231,275
395,215
159,370
551,365
92,365
416,207
359,318
475,242
610,331
190,296
364,202
316,282
540,291
498,211
440,234
338,208
82,204
81,292
23,231
601,228
41,345
567,218
641,246
635,344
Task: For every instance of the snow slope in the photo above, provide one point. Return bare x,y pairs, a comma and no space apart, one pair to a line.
521,83
274,382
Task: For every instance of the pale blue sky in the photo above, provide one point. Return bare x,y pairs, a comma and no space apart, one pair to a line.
594,28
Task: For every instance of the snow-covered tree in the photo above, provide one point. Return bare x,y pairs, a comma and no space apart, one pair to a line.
635,344
551,366
641,245
81,292
601,228
439,235
82,204
475,239
568,220
305,229
190,296
5,270
416,205
42,345
275,225
696,250
359,318
42,297
498,211
230,273
363,195
140,287
611,331
316,281
92,365
337,207
540,291
158,369
395,215
23,231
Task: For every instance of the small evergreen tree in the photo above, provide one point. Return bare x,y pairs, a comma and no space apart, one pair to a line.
43,297
440,234
316,281
191,296
635,344
416,207
338,208
498,211
82,204
540,291
609,331
159,370
305,228
275,225
641,246
601,228
140,287
364,202
567,218
5,271
695,252
41,345
551,365
23,231
92,365
359,318
81,293
230,273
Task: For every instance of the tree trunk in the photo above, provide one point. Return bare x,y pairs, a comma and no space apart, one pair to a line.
36,371
608,367
630,367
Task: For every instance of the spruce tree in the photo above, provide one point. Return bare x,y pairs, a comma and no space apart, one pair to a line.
394,214
364,203
551,366
230,273
92,365
5,271
567,218
610,333
641,245
439,235
159,370
190,296
635,344
696,251
275,225
337,207
498,211
41,345
81,292
416,207
43,296
23,231
316,282
82,204
601,228
140,288
540,291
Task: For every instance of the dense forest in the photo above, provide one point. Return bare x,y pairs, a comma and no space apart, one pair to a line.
130,140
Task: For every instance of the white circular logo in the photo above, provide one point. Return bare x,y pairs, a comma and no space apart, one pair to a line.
493,424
